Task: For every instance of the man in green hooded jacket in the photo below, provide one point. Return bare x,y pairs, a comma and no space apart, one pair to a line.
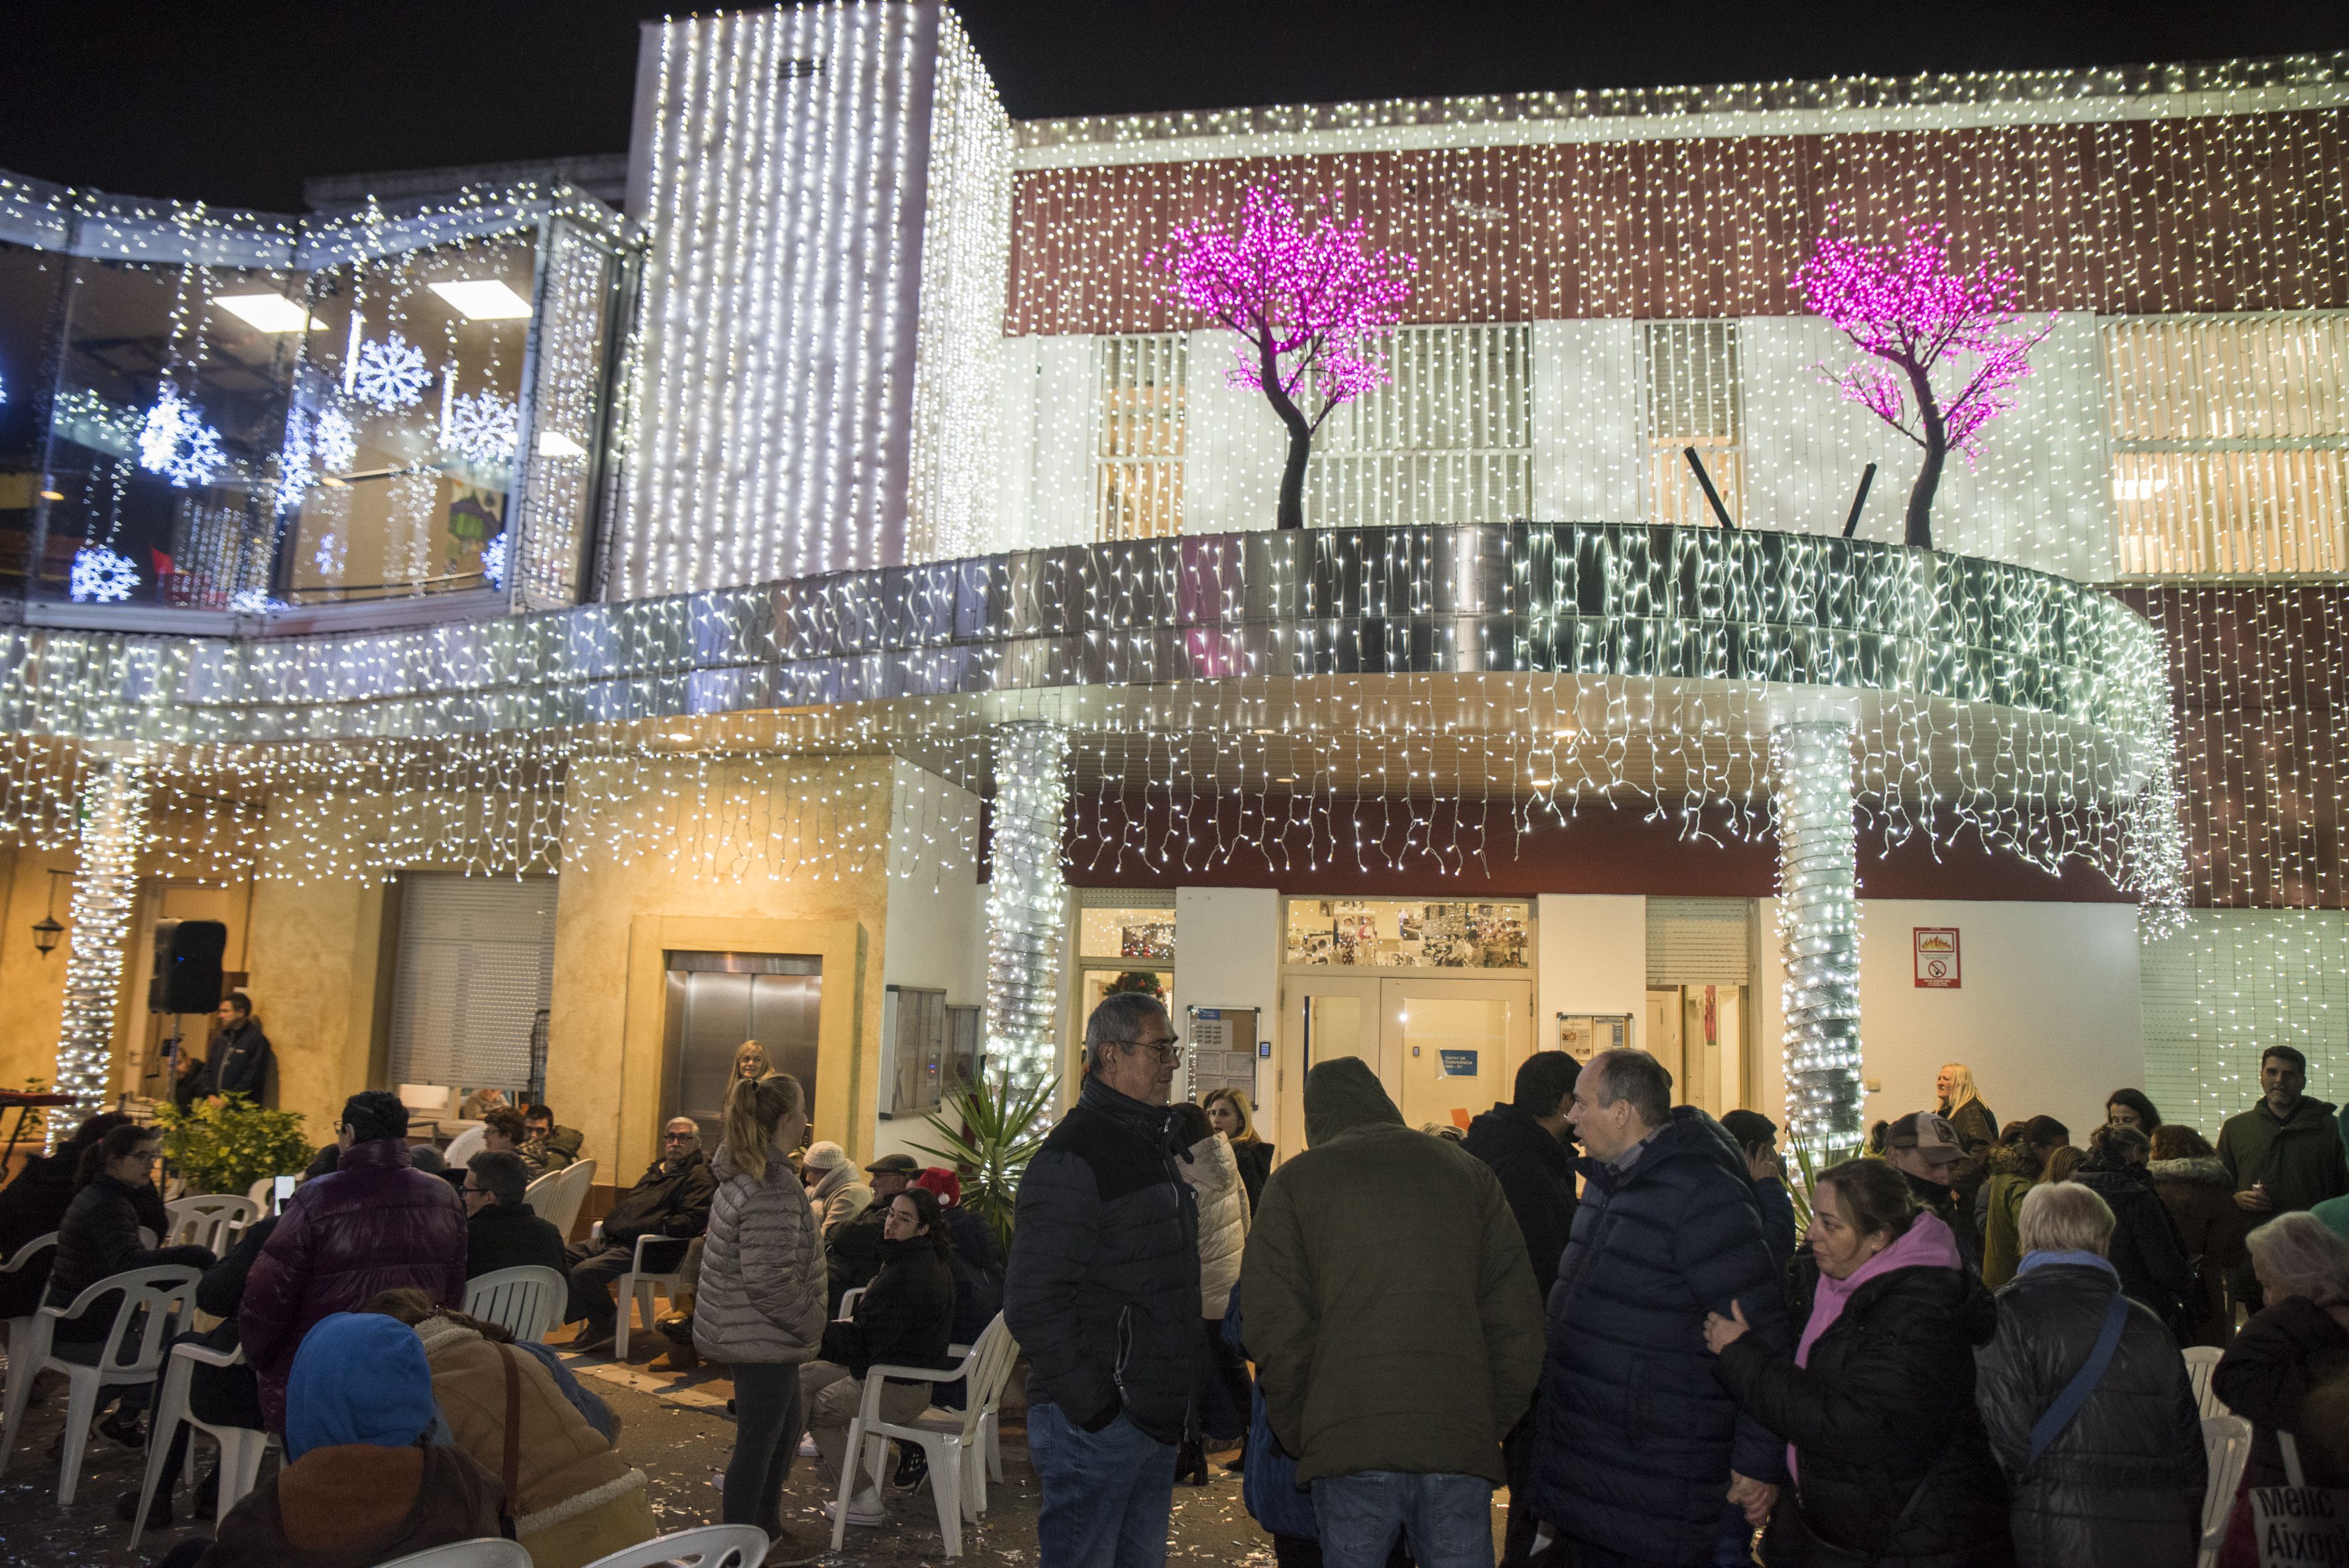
2284,1153
1395,1324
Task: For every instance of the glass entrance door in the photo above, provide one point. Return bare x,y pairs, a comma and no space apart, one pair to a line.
1444,1049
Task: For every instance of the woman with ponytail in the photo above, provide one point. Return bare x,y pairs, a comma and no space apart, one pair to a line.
760,1305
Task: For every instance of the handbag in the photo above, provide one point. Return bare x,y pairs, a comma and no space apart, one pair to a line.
2298,1523
1788,1543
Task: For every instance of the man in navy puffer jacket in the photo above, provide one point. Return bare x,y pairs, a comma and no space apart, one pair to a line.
1102,1294
1637,1444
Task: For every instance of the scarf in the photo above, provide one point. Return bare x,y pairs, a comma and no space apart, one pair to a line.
1926,1243
2061,1260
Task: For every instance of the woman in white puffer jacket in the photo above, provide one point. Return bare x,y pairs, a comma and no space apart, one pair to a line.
1213,1173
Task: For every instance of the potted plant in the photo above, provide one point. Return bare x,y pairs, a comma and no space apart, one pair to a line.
226,1144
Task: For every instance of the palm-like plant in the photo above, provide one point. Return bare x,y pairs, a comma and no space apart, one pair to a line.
989,1131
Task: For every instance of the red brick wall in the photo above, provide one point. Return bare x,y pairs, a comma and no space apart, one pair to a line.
2249,212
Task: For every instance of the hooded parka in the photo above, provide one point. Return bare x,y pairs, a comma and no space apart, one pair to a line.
2201,1198
1214,1175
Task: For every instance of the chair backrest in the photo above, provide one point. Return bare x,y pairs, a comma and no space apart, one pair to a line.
528,1300
710,1546
463,1147
561,1201
489,1551
209,1220
991,1358
2201,1360
2226,1444
162,1292
848,1300
259,1191
28,1253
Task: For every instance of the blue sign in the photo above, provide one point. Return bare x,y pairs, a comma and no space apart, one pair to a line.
1459,1063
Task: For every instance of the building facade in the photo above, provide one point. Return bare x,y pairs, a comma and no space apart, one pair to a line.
832,600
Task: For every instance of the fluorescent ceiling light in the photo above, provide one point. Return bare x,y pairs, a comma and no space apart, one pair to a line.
484,299
268,312
555,444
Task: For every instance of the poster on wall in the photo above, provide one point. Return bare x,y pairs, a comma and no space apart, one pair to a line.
1937,956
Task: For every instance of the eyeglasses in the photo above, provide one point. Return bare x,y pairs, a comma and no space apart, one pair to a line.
1169,1050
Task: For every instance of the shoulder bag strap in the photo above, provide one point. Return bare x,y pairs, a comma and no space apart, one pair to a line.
510,1465
2049,1425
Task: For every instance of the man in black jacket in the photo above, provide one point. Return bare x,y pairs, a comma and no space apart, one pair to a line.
502,1230
1102,1293
1524,1141
670,1200
241,1052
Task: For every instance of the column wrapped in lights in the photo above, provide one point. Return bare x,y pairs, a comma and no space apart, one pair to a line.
1818,929
1027,900
113,830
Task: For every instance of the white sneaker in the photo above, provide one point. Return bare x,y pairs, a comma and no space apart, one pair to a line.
807,1446
864,1509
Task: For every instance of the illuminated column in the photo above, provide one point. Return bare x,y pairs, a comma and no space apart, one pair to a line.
1027,902
113,830
1818,929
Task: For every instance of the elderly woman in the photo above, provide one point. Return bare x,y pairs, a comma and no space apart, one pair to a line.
2121,1482
1877,1405
2299,1340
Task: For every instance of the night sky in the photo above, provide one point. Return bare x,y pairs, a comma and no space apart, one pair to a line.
235,104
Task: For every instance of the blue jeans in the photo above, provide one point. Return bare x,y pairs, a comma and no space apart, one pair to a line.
1448,1518
1107,1495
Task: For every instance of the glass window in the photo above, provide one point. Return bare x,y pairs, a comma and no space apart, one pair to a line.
1689,371
1409,934
2227,439
1448,441
1138,457
31,282
1114,934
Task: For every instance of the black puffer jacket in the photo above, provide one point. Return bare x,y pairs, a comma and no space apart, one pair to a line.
2145,1248
1103,1290
1535,1170
977,1263
32,1206
2282,1353
905,1316
2122,1486
1885,1413
97,1237
1635,1437
666,1200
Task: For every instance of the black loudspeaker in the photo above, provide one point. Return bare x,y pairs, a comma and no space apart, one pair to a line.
187,966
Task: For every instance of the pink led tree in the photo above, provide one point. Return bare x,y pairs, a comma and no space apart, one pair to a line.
1308,297
1949,363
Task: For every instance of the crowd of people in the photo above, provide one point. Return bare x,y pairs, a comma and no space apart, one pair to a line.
1960,1348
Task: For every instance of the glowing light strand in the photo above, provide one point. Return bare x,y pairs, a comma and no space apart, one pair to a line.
1818,931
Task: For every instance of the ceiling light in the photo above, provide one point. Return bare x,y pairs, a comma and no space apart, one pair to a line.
1284,781
53,495
484,299
268,312
555,444
332,482
1264,732
681,734
1543,783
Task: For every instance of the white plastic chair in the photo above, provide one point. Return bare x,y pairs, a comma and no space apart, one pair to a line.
556,1197
529,1299
169,1296
848,1300
464,1146
259,1194
2201,1360
710,1546
210,1219
241,1448
2226,1444
951,1441
20,1329
487,1552
637,1287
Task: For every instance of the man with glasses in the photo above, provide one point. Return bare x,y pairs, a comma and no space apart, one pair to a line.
502,1230
669,1202
1102,1293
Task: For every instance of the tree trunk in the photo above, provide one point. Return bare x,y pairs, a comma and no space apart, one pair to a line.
1300,437
1919,531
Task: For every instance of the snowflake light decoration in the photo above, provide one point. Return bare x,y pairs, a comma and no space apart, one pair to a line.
253,601
175,442
101,576
483,428
335,440
391,374
493,561
293,462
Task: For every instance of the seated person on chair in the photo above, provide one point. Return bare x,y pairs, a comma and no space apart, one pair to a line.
903,1319
478,1103
852,1250
546,1146
502,1231
670,1200
34,1205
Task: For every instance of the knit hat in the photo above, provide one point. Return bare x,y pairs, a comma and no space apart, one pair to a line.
825,1156
945,1183
359,1377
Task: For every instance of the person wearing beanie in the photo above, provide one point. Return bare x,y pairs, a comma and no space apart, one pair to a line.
360,1484
833,1191
375,1223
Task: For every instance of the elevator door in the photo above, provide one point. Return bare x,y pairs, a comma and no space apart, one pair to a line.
714,1007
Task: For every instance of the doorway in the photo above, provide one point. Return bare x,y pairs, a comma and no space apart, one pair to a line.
1445,1050
717,1000
1697,1032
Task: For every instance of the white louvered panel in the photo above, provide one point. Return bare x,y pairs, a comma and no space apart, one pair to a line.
2233,983
476,965
1139,447
1693,399
1699,940
1448,441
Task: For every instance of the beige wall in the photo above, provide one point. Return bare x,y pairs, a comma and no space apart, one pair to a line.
318,964
34,985
614,920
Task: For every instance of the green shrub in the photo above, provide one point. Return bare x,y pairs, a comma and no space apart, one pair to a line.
228,1145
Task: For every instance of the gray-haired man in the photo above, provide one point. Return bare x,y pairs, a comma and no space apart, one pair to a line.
1102,1293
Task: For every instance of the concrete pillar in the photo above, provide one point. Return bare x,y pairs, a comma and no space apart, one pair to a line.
1027,900
1818,931
113,831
